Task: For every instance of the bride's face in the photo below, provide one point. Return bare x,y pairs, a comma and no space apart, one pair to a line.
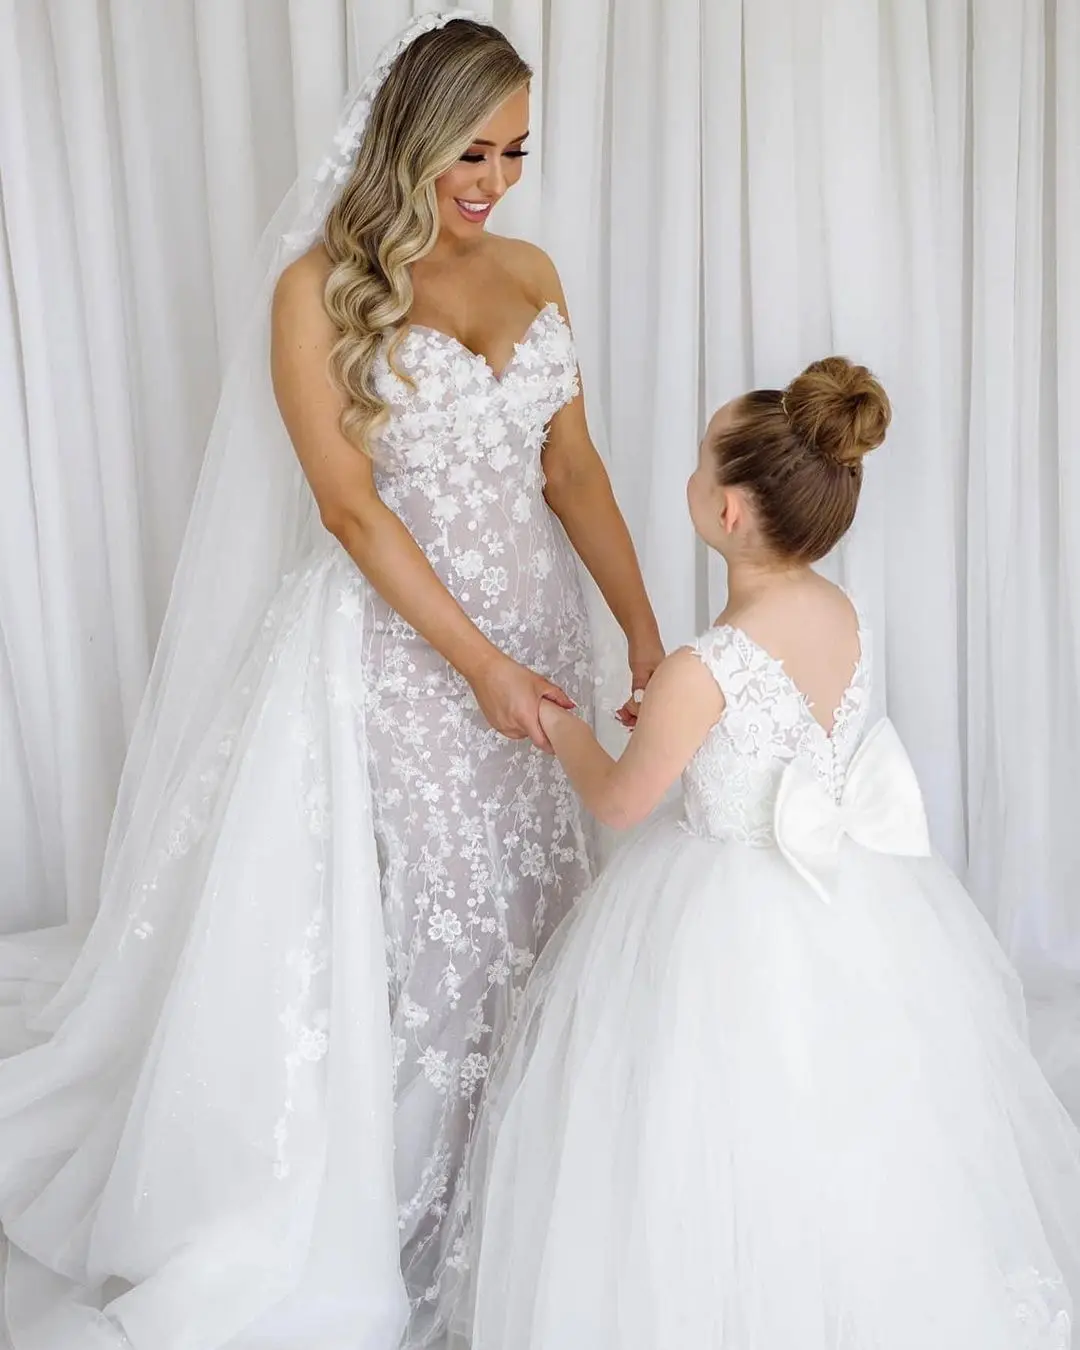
469,192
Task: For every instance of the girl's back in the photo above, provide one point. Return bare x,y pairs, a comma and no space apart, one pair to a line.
794,672
812,629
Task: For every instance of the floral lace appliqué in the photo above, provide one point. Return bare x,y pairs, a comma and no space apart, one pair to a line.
730,785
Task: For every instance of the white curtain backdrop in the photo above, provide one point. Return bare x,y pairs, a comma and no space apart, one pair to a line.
731,188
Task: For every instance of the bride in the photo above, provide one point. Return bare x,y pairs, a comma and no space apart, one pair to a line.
220,1130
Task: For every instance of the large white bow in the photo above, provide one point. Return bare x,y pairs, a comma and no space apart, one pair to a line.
881,808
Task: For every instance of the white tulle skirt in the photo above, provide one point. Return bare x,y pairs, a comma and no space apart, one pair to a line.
736,1118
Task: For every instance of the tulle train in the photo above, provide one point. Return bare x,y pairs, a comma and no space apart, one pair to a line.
202,1153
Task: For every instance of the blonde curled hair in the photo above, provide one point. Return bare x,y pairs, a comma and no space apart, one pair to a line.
439,91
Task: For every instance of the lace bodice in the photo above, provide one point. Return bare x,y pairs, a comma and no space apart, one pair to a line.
730,785
459,463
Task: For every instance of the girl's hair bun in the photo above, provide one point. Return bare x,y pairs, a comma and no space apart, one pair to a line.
838,408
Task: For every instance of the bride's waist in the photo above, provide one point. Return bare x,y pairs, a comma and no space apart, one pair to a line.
531,607
535,636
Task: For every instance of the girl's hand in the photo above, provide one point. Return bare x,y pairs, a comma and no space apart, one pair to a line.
551,715
644,659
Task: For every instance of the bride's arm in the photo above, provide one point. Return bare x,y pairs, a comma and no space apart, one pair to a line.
578,490
682,704
343,483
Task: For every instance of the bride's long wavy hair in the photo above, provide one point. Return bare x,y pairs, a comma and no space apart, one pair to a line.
424,117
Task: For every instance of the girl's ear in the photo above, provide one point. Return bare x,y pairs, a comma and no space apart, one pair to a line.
731,509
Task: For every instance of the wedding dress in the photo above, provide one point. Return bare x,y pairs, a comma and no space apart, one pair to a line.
240,1119
769,1089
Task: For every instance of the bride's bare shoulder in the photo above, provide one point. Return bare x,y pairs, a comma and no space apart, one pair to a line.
299,311
299,295
530,264
305,277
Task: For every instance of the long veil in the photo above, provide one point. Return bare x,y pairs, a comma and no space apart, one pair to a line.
252,517
260,1171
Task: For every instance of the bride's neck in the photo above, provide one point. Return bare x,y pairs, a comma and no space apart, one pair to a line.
448,249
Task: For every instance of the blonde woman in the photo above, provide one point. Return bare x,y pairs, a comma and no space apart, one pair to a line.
228,1133
456,380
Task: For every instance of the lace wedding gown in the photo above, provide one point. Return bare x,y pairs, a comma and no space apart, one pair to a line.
758,1100
234,1137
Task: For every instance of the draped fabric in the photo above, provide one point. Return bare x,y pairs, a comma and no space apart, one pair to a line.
730,189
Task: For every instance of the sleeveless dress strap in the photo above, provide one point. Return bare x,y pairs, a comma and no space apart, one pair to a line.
713,649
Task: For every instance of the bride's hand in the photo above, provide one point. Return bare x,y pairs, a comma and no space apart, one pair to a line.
510,695
644,659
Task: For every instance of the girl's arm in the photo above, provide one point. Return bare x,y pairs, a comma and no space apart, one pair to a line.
682,704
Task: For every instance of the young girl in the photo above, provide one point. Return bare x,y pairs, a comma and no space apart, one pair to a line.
769,1089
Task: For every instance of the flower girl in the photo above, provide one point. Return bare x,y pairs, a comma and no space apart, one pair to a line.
770,1088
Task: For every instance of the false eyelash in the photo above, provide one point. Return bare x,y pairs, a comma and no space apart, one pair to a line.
479,159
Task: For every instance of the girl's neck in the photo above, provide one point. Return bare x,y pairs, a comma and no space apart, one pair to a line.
747,582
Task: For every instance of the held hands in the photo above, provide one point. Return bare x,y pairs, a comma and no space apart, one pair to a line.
551,715
510,696
645,657
517,702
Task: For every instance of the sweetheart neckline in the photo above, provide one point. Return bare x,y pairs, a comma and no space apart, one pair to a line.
497,376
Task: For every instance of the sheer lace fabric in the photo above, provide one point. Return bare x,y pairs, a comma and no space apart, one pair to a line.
481,845
731,783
